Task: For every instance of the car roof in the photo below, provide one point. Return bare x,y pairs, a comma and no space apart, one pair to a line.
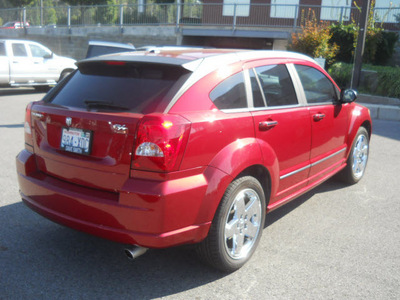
192,58
198,60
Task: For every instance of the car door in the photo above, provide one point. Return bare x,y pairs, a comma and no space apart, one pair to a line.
43,62
329,121
283,124
21,65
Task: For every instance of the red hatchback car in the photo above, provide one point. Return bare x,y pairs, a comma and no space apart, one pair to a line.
164,148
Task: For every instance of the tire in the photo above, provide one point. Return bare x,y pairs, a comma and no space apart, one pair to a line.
358,158
237,226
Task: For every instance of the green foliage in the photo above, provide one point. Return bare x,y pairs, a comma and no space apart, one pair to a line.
341,73
379,44
313,39
388,78
388,81
386,47
343,35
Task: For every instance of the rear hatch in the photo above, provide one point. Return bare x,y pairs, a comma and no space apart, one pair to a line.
84,129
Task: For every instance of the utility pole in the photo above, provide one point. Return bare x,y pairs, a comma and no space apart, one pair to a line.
41,13
355,79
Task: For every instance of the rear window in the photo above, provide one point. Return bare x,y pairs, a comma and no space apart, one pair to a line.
117,86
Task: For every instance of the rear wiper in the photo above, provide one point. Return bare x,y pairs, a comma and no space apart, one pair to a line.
102,104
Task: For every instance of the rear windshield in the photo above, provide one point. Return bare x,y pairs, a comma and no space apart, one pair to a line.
116,86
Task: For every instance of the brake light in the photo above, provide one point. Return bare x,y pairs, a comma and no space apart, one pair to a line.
161,141
28,127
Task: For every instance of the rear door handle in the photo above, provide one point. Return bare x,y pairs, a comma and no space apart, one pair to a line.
318,117
266,125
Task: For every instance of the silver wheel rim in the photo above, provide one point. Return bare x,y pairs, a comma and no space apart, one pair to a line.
360,156
242,224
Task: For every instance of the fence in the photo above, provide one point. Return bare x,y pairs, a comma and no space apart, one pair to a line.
194,14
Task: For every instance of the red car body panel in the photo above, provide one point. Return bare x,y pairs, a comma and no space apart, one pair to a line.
117,194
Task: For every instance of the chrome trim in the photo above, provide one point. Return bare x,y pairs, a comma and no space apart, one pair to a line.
37,114
312,165
68,121
328,157
295,172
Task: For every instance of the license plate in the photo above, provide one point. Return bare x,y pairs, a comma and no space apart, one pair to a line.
76,140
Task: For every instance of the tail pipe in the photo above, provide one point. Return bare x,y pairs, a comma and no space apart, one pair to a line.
135,252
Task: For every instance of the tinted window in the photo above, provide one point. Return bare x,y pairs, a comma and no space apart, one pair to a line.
317,87
19,50
276,85
230,93
141,88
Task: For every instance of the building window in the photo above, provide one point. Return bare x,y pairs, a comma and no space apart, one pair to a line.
242,8
286,9
335,10
387,11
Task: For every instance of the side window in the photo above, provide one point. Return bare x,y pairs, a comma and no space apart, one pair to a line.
2,49
38,51
317,87
276,85
230,93
19,50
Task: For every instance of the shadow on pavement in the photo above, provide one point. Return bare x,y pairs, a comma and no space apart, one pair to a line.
12,125
327,186
38,257
18,91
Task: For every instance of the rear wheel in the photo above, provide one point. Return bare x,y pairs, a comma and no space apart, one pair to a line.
358,158
237,226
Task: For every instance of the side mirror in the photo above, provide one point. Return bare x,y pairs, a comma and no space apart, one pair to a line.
348,96
48,56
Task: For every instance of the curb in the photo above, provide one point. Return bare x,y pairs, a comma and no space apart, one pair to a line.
383,112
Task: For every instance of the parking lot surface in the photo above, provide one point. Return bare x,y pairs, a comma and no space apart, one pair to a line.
335,242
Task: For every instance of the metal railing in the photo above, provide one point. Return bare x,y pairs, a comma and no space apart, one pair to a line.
194,14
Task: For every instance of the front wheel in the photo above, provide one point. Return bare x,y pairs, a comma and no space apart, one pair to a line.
358,158
237,226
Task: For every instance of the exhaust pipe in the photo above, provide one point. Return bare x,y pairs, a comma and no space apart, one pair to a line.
135,252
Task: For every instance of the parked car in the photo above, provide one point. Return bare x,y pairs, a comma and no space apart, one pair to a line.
97,48
188,146
27,63
15,25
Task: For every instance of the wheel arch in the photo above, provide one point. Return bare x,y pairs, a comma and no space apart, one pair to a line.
262,174
359,118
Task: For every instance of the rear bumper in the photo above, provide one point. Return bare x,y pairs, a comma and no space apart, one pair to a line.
148,213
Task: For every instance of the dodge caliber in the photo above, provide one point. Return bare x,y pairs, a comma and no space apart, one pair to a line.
189,146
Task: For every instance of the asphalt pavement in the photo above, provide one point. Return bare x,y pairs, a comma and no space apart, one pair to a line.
335,242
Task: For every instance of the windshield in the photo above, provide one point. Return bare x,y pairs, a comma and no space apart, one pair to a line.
139,88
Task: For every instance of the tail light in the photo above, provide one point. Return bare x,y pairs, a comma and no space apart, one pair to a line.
28,128
160,143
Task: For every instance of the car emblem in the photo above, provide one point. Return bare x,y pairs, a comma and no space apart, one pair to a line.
68,121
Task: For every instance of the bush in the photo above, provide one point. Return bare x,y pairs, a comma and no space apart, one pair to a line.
341,73
385,48
313,39
388,78
379,44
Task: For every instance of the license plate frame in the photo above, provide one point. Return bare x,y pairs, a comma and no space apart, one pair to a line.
76,140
